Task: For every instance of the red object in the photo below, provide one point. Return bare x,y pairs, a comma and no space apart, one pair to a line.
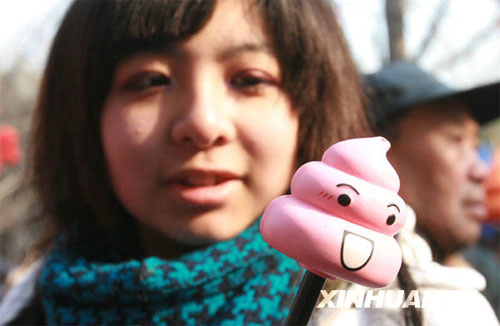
492,185
10,151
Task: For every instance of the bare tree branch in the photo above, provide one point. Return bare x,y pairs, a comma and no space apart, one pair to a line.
395,28
432,30
472,45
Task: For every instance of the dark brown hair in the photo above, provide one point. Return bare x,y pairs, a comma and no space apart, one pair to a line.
69,168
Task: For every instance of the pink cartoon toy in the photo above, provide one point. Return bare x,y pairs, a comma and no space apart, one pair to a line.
341,216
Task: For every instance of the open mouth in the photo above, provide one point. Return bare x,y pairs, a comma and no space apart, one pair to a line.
202,179
355,251
202,187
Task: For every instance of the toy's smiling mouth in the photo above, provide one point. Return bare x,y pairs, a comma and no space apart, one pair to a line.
355,251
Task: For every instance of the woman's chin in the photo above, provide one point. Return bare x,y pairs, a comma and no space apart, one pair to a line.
210,231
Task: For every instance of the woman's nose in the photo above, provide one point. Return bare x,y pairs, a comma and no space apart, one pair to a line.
203,119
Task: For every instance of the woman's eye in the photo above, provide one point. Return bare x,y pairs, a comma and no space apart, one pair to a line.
245,81
250,83
146,81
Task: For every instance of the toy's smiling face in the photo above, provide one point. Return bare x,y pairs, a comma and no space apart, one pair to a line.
373,208
352,199
384,212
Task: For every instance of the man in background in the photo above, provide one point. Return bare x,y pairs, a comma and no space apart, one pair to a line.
434,132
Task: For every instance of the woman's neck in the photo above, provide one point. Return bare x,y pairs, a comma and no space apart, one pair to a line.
154,243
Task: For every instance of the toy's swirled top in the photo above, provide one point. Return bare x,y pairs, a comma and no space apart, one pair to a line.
366,159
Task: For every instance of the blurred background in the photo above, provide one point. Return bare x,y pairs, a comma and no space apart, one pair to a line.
458,41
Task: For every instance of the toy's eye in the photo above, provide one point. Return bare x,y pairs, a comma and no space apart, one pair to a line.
391,219
344,200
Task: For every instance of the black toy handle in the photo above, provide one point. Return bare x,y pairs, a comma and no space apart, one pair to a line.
307,295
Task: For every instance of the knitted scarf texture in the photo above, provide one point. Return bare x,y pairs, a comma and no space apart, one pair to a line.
242,281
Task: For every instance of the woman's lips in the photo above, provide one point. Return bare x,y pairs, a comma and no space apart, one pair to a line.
202,187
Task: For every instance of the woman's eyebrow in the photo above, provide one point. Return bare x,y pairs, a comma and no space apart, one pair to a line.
244,47
391,204
176,51
348,185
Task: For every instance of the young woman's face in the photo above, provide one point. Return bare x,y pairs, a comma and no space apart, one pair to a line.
200,137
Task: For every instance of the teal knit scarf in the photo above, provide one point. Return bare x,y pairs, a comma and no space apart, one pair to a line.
236,282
